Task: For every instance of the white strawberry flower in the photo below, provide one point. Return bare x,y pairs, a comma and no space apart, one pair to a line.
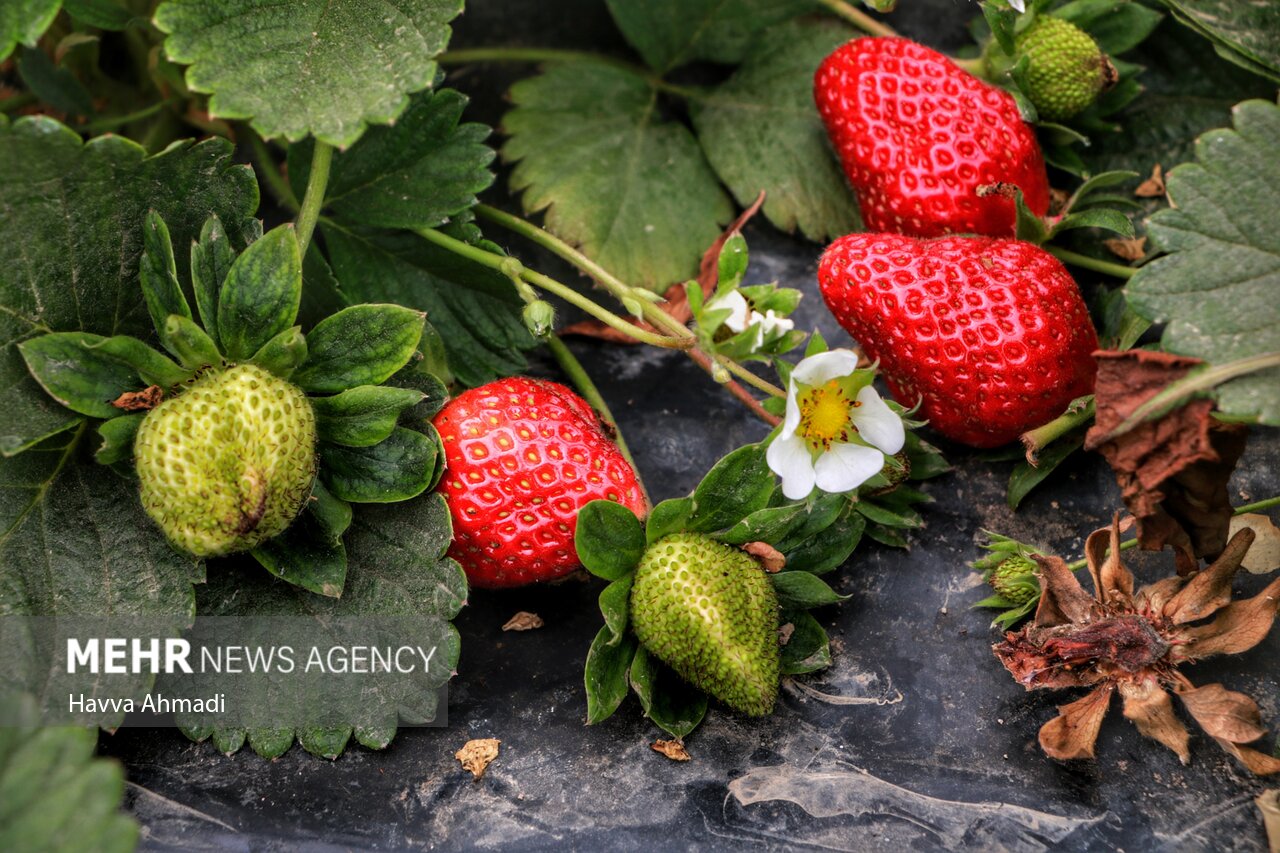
742,317
1018,5
837,430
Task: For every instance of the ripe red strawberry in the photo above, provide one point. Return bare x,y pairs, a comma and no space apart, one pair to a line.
991,335
918,136
523,456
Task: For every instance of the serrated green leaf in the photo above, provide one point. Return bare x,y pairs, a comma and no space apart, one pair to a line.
666,518
360,345
736,486
55,794
1249,29
1216,287
605,675
761,131
24,21
671,703
770,524
615,606
670,33
398,468
809,647
634,191
609,539
362,416
260,295
418,173
299,68
70,242
475,309
803,590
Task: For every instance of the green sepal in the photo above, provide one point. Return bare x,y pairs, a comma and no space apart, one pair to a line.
831,546
417,377
79,375
605,674
260,294
117,438
158,275
609,539
211,259
736,486
615,606
360,345
153,367
1029,227
1097,217
333,514
669,701
362,416
803,590
193,347
808,649
821,511
401,467
284,353
307,555
731,265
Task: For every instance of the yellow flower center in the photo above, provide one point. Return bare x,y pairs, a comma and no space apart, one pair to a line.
825,415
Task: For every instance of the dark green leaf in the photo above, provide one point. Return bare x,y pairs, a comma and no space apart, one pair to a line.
670,33
117,438
606,674
435,394
609,539
362,416
334,515
666,518
736,486
158,275
615,602
296,68
260,294
284,353
399,468
306,556
418,173
1216,288
1116,25
828,549
1026,477
360,345
103,14
1249,32
55,794
23,22
1096,217
761,131
211,259
75,372
821,511
770,524
809,648
1001,20
70,238
887,516
803,590
475,309
54,85
634,191
672,704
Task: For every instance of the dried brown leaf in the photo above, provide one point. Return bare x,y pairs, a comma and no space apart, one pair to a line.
1063,600
1237,628
1152,187
1173,470
1209,591
1129,250
1264,556
1102,553
1257,762
523,621
673,749
1074,731
1149,707
1223,713
476,755
769,557
1156,595
1269,804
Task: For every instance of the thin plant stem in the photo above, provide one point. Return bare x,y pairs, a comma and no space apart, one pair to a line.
1085,262
739,393
858,18
313,200
750,378
587,388
1041,437
112,122
270,172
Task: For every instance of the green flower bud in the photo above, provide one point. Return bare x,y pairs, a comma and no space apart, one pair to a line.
539,318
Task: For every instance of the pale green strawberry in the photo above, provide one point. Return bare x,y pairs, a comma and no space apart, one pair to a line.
229,463
710,613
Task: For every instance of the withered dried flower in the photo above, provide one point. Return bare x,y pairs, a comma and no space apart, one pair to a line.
1132,642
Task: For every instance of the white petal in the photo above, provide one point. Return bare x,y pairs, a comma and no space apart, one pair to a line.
792,420
739,310
1020,5
846,466
771,322
789,458
877,423
825,366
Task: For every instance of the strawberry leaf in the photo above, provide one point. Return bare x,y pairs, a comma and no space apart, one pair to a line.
296,68
1216,287
71,237
633,190
670,33
23,22
761,131
1245,33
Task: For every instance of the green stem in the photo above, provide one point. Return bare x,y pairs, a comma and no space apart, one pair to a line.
1088,263
17,102
313,200
511,266
582,381
1240,510
269,171
547,54
750,378
1041,437
858,18
113,122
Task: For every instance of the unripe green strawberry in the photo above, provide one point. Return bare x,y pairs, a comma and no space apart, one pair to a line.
710,613
1015,579
1066,69
228,463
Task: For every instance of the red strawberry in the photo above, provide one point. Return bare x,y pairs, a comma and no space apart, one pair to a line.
918,136
523,457
991,335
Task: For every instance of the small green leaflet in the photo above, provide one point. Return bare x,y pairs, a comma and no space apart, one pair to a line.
761,131
633,190
1246,32
303,67
23,21
1216,288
